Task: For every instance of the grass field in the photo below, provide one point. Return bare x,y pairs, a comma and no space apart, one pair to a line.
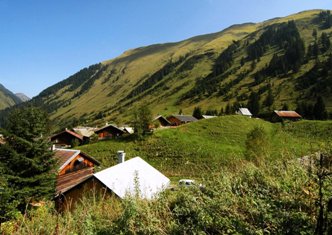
207,146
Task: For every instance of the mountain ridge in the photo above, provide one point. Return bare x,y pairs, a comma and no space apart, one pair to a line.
210,71
7,98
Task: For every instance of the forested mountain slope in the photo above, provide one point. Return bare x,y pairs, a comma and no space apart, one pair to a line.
280,61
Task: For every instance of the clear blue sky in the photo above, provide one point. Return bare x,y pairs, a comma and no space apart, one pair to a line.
45,41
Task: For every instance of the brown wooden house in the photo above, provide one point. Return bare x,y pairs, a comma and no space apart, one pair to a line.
75,168
67,138
177,120
279,116
109,132
161,121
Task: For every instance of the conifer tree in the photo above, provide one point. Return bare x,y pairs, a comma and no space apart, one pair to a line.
253,103
142,121
26,157
197,113
269,98
320,112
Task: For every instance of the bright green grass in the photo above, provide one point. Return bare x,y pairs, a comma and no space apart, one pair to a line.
207,146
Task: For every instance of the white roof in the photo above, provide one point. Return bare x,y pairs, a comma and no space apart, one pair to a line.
125,178
244,111
130,130
208,116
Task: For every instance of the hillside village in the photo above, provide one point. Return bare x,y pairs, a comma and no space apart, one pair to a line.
230,134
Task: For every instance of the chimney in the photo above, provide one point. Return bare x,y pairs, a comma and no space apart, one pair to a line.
121,156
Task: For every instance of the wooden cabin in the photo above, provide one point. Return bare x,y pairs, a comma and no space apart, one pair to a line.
161,121
67,138
75,168
177,120
279,116
109,132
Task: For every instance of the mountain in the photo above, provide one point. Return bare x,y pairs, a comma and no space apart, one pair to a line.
283,61
7,98
22,97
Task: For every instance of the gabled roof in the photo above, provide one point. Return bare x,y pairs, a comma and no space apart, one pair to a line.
85,131
109,126
287,114
244,111
161,117
65,156
125,178
78,136
129,130
185,118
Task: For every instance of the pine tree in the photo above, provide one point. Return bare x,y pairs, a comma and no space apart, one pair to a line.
253,103
26,157
142,121
197,113
285,107
320,112
269,98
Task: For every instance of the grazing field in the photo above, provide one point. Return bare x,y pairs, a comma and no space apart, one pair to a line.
206,146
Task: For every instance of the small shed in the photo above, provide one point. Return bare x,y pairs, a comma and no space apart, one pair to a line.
74,168
244,112
177,120
283,115
133,177
67,138
109,132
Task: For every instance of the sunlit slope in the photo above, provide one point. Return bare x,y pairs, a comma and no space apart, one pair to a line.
7,98
208,145
173,76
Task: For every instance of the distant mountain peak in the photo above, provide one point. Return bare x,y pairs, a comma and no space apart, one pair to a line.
23,97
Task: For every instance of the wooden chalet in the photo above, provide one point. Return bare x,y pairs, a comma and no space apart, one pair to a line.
74,169
279,116
109,132
177,120
161,121
67,138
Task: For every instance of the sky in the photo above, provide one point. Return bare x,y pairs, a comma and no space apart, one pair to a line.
44,41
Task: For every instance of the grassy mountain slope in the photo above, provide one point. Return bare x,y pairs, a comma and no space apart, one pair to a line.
7,98
208,71
208,145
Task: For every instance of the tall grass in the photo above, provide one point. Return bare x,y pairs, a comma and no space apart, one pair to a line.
275,198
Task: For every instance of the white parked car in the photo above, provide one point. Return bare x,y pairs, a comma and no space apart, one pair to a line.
186,182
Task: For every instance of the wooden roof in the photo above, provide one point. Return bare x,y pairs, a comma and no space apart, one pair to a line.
287,114
71,180
78,136
109,127
65,156
162,118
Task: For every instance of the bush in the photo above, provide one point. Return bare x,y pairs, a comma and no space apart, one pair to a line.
257,144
